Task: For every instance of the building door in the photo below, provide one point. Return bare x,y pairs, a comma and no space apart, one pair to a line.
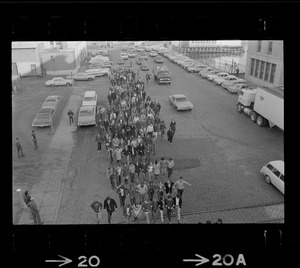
14,70
33,69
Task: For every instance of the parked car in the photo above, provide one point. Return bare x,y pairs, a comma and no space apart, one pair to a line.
159,59
124,56
97,72
237,87
90,98
196,68
153,54
211,77
51,102
43,117
144,67
232,83
86,116
220,80
180,102
148,49
131,55
58,81
121,62
274,173
205,73
139,61
144,56
81,77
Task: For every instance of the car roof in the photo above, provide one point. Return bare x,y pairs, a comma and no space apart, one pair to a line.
278,164
45,110
87,108
52,97
178,96
90,93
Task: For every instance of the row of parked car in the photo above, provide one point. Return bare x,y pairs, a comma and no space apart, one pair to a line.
224,79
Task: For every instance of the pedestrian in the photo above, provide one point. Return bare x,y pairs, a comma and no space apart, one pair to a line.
136,211
71,116
169,186
34,211
178,203
127,211
156,170
162,129
237,71
33,137
154,207
118,154
163,167
142,189
97,207
137,170
161,206
169,204
109,176
173,125
122,196
19,148
119,174
147,207
131,172
27,198
170,165
160,189
151,190
170,134
126,153
110,205
132,194
98,141
179,185
150,169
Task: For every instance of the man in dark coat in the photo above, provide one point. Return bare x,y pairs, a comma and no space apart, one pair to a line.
170,134
34,211
110,205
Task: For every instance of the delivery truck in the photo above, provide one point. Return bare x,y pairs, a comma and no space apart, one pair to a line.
263,105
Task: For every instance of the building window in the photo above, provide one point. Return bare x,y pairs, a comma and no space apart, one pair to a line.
259,46
256,68
267,72
270,47
262,69
272,73
252,66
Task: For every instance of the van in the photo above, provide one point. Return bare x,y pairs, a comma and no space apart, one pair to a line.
90,98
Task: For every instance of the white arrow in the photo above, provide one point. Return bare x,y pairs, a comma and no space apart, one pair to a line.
201,260
65,261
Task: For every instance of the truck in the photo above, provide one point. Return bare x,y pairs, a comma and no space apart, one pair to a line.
263,105
162,74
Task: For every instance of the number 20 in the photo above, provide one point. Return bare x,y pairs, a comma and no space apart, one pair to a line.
82,263
228,260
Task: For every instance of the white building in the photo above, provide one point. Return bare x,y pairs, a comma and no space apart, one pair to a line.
232,43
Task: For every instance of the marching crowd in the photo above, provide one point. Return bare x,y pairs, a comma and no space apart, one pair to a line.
130,127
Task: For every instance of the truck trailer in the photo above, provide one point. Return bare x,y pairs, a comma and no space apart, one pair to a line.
263,105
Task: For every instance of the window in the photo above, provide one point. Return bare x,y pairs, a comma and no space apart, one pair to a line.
281,177
272,74
256,68
276,172
252,66
262,69
270,47
267,71
269,166
259,46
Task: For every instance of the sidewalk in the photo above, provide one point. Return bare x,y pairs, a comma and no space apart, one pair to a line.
47,193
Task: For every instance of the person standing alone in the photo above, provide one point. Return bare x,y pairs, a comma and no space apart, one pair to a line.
19,148
33,137
71,115
110,205
34,211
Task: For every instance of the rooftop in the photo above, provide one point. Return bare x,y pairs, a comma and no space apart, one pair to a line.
15,45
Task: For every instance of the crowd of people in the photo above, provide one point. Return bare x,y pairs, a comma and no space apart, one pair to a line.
130,127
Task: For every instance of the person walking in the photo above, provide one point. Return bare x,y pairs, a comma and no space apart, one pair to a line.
19,148
34,211
33,137
169,186
127,212
150,169
163,168
142,189
122,196
98,141
162,129
97,207
169,204
173,125
131,172
178,203
170,165
132,194
170,134
179,185
237,71
156,170
161,206
147,207
27,198
110,205
71,116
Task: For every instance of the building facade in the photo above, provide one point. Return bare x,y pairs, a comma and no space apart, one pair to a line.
26,60
264,65
63,58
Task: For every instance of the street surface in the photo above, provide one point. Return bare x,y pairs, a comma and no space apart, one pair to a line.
215,148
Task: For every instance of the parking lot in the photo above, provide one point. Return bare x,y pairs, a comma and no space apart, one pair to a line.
216,149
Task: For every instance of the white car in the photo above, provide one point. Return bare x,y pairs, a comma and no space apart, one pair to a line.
86,116
211,77
90,98
153,54
220,80
124,56
274,173
196,68
81,77
232,83
58,81
131,54
237,87
51,102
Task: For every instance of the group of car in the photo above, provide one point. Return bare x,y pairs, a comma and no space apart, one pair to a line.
230,82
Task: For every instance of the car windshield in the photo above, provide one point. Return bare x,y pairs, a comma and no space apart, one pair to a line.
86,112
163,73
89,98
181,99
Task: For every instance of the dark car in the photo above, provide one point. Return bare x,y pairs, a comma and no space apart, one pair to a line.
144,67
43,117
